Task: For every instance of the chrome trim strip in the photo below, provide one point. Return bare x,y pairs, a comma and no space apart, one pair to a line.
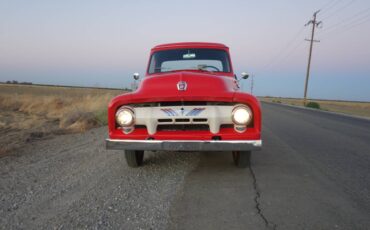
184,145
255,142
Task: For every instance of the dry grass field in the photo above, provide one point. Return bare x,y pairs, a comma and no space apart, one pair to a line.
346,107
29,112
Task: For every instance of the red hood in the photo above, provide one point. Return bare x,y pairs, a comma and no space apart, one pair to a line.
200,87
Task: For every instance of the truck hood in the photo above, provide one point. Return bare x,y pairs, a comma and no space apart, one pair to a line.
199,87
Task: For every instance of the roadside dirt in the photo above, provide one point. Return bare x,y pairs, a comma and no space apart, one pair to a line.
17,129
29,112
71,181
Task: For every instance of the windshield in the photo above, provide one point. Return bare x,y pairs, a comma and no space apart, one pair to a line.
212,60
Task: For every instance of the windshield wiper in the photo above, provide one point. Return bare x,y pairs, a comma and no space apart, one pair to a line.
162,68
203,68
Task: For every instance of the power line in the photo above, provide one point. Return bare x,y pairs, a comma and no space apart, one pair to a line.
339,9
326,4
359,20
291,51
355,17
350,21
277,58
348,27
283,49
330,6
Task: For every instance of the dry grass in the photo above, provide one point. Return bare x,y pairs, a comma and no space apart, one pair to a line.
33,112
346,107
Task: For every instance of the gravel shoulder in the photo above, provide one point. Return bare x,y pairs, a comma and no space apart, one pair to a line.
71,181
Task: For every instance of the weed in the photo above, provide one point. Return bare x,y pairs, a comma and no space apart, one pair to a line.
313,105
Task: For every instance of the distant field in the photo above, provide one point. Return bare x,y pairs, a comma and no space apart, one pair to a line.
29,112
346,107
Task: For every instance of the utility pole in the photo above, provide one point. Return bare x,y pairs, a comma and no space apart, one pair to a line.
252,83
315,24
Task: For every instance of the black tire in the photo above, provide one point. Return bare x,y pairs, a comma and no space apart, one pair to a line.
242,159
134,158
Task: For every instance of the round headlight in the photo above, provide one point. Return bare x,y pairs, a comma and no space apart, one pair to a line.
125,117
242,115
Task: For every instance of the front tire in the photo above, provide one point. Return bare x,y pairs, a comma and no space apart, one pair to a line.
242,159
134,158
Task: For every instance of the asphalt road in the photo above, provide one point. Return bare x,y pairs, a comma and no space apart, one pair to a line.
313,173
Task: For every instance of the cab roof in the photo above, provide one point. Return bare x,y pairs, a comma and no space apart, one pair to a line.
190,45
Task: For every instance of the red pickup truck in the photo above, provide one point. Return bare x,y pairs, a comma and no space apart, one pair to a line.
189,100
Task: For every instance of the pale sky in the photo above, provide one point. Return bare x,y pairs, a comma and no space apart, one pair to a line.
101,43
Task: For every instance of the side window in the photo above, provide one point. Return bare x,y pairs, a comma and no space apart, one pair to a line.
152,65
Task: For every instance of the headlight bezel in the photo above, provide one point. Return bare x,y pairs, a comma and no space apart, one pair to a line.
127,110
247,109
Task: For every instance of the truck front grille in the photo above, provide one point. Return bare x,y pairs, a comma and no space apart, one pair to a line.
183,127
182,120
185,117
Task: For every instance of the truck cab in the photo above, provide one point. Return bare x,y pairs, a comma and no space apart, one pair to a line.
189,100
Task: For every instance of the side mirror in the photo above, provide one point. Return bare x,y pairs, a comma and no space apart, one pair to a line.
245,75
136,76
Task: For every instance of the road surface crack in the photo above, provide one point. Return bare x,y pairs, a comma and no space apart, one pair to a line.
257,197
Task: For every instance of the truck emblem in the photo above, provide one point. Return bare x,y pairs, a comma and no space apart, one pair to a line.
181,86
195,112
170,112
